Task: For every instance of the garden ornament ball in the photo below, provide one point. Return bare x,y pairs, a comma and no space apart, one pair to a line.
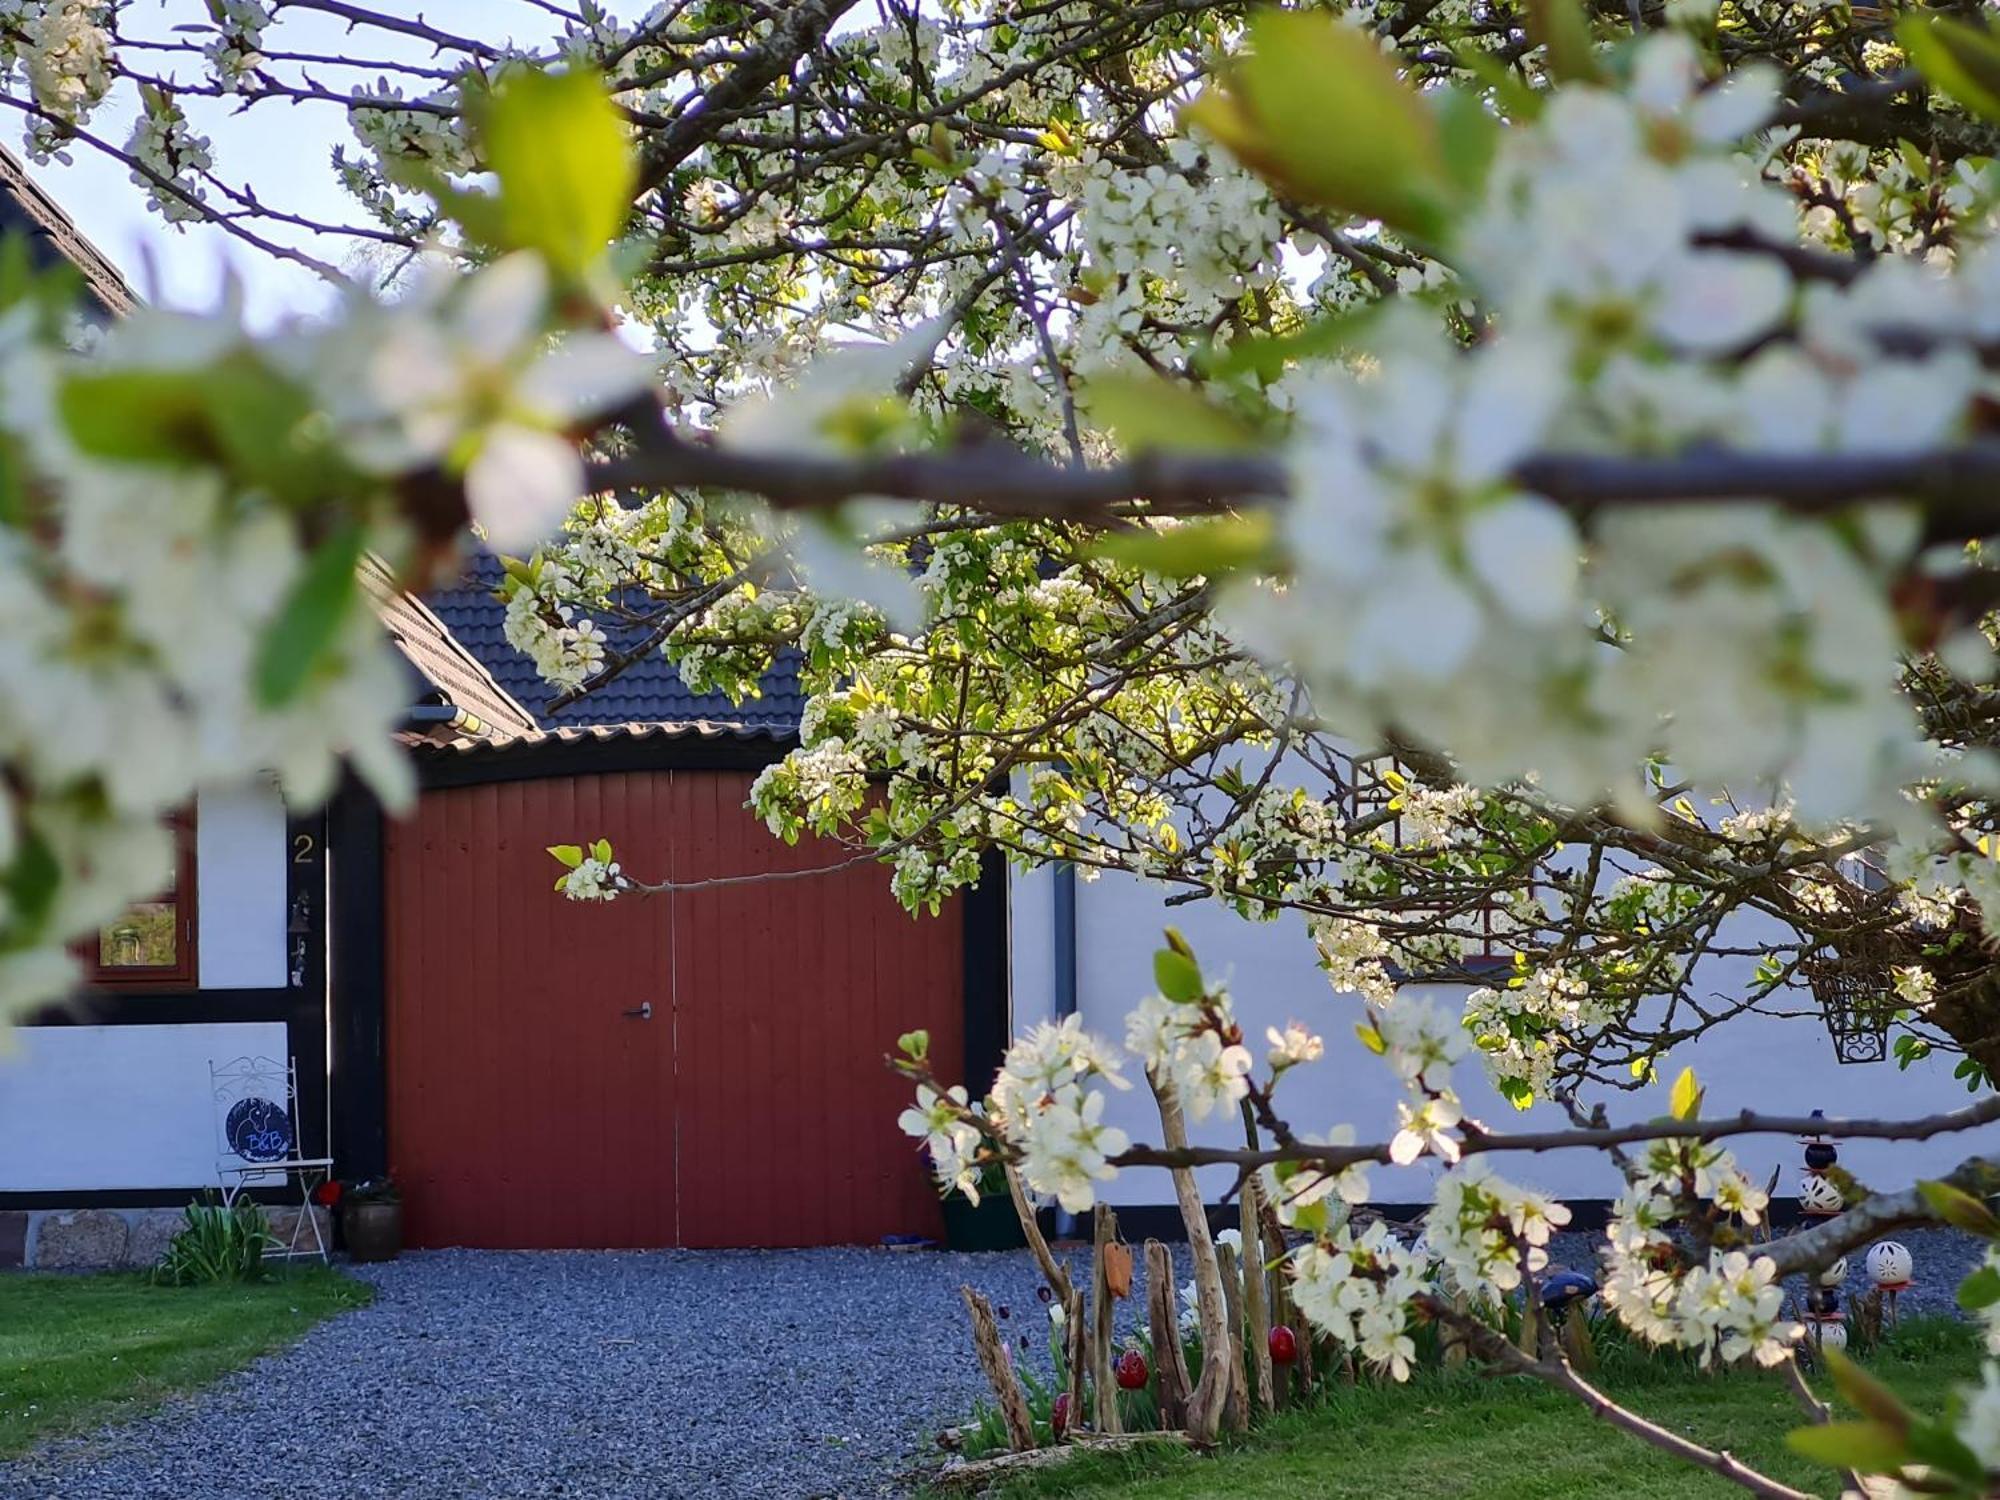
1889,1265
1565,1289
1818,1195
1833,1335
1834,1274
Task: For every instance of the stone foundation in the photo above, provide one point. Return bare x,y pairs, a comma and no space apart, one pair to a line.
94,1239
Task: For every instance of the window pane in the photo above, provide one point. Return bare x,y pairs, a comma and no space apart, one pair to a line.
146,937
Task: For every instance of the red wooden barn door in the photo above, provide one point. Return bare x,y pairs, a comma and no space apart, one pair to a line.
789,996
526,1109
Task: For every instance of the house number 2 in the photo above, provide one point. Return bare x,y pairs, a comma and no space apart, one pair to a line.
302,848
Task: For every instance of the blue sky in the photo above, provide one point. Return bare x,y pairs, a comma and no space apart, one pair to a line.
280,149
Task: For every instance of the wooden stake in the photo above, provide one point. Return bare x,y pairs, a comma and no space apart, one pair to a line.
1256,1309
1235,1410
999,1368
1170,1376
1103,1309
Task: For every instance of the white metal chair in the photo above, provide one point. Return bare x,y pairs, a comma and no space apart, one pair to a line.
257,1136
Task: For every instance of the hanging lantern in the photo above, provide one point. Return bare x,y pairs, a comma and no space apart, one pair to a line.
1856,999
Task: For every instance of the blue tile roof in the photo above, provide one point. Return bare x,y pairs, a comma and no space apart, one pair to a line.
648,691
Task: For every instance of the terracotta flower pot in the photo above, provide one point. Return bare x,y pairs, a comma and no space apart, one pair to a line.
373,1231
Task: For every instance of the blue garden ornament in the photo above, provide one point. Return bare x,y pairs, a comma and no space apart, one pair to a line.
1562,1290
258,1130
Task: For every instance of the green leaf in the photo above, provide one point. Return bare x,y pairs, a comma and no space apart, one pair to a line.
1211,549
138,416
1317,108
915,1045
1468,134
1177,942
565,163
310,618
1561,27
30,883
1866,1394
601,851
1371,1037
1960,1209
1934,1443
1979,1290
1962,60
1863,1446
1150,415
1177,975
567,854
1684,1103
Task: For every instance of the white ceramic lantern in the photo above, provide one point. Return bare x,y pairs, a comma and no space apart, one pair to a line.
1833,1335
1889,1264
1818,1195
1834,1274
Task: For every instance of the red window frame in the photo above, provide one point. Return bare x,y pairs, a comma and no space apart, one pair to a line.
182,971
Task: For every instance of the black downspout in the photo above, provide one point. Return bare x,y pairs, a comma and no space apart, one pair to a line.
1065,984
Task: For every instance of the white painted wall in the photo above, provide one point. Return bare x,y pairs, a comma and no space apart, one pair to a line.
241,862
1765,1063
86,1107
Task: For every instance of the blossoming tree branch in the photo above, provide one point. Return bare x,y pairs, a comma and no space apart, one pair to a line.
1509,480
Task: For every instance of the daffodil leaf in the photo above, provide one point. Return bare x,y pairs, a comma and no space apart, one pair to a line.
310,618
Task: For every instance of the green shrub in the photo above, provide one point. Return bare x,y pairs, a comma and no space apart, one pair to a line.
217,1244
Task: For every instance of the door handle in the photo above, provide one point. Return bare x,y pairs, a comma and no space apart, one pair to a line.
642,1011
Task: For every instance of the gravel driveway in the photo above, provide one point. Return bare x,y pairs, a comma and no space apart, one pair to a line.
481,1374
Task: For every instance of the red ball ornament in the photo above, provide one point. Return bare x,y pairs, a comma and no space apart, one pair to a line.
1131,1371
1284,1344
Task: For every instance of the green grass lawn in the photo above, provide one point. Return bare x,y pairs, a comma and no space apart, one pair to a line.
76,1351
1489,1438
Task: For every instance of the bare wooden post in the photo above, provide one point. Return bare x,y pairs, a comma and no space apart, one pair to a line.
1103,1308
1170,1376
1076,1331
999,1367
1211,1392
1256,1308
1236,1410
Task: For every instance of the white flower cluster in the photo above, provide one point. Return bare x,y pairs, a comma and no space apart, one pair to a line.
1729,1306
1421,1043
1184,1047
429,131
1357,1288
1489,1232
1755,644
942,1122
65,49
173,158
1522,1029
594,880
1041,1101
1295,1190
1353,952
236,49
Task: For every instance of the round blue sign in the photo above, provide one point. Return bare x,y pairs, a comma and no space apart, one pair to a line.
258,1130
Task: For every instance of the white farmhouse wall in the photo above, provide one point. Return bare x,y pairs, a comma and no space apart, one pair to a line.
240,867
1758,1062
90,1107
